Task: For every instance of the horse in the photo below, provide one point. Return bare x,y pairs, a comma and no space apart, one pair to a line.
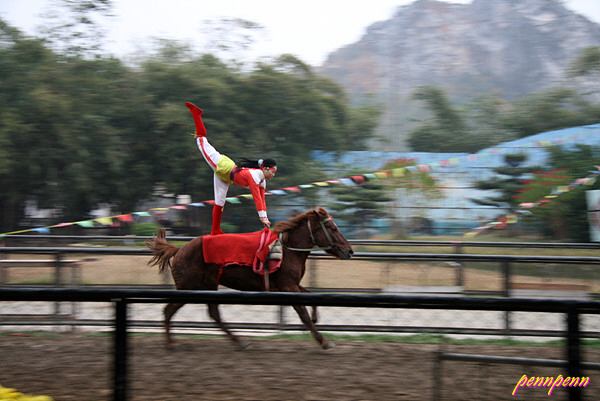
313,230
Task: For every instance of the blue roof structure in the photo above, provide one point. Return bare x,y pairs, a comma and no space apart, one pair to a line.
457,172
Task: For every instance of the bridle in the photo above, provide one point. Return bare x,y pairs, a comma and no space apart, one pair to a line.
315,247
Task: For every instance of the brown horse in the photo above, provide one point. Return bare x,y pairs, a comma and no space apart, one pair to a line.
313,230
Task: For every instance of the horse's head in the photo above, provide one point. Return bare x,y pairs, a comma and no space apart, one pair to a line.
314,230
328,236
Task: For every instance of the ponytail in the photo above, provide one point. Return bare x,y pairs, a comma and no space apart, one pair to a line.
260,163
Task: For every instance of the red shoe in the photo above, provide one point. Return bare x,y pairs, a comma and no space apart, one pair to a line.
197,114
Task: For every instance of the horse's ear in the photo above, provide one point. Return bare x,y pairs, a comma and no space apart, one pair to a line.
321,211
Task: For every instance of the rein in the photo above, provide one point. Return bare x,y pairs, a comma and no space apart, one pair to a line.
312,238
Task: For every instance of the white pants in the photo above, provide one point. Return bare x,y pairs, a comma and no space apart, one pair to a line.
212,156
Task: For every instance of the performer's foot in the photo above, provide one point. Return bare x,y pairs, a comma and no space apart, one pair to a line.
197,114
217,232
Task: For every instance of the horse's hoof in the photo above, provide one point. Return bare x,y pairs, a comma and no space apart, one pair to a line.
243,345
328,344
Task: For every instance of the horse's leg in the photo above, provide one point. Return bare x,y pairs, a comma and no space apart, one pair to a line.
305,317
213,311
169,311
315,316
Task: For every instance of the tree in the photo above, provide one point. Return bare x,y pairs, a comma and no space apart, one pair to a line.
446,129
73,27
506,184
77,132
360,204
230,38
489,119
553,109
415,180
587,62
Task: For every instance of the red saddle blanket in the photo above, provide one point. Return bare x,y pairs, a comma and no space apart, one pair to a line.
247,249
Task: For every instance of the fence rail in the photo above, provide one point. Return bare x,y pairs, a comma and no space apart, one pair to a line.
395,243
121,298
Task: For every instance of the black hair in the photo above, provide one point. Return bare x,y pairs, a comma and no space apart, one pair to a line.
243,162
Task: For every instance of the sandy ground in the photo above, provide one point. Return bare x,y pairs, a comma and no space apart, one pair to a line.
78,367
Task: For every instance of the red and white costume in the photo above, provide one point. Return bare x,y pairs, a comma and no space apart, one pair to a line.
227,172
250,178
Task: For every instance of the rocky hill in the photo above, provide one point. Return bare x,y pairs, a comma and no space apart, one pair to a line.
513,47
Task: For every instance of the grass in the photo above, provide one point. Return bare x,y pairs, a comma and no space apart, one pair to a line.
424,338
432,338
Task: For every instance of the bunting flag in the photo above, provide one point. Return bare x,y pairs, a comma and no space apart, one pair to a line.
125,218
361,179
105,221
87,223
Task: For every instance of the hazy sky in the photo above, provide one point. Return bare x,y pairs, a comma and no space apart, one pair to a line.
309,29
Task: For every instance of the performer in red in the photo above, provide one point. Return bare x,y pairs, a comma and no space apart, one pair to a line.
252,174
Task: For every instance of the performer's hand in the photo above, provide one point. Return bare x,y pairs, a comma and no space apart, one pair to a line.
266,222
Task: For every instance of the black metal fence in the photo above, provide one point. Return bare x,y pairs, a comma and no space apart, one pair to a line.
121,298
505,262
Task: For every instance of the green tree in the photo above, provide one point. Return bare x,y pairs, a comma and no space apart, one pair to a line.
414,180
73,27
586,63
506,184
489,119
76,132
445,130
553,109
359,205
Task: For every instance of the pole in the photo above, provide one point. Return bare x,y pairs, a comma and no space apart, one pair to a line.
120,355
573,352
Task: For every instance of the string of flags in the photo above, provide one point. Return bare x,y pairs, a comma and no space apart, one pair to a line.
352,180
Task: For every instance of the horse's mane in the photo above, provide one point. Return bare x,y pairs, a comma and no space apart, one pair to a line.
288,225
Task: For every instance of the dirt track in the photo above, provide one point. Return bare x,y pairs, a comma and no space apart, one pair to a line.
77,367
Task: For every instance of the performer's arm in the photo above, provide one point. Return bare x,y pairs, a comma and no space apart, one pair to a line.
246,179
258,193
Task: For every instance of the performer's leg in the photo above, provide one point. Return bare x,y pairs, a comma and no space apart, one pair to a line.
197,114
220,187
216,220
211,155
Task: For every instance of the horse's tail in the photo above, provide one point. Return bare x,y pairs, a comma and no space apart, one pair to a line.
163,251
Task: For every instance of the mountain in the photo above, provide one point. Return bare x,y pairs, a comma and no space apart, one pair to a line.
512,47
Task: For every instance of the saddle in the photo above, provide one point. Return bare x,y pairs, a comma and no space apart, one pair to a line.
247,249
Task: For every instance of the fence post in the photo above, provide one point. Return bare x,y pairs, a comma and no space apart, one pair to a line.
573,352
459,268
3,272
281,318
506,292
57,280
57,269
120,352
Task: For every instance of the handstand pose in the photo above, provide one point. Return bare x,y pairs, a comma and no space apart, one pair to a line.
250,174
